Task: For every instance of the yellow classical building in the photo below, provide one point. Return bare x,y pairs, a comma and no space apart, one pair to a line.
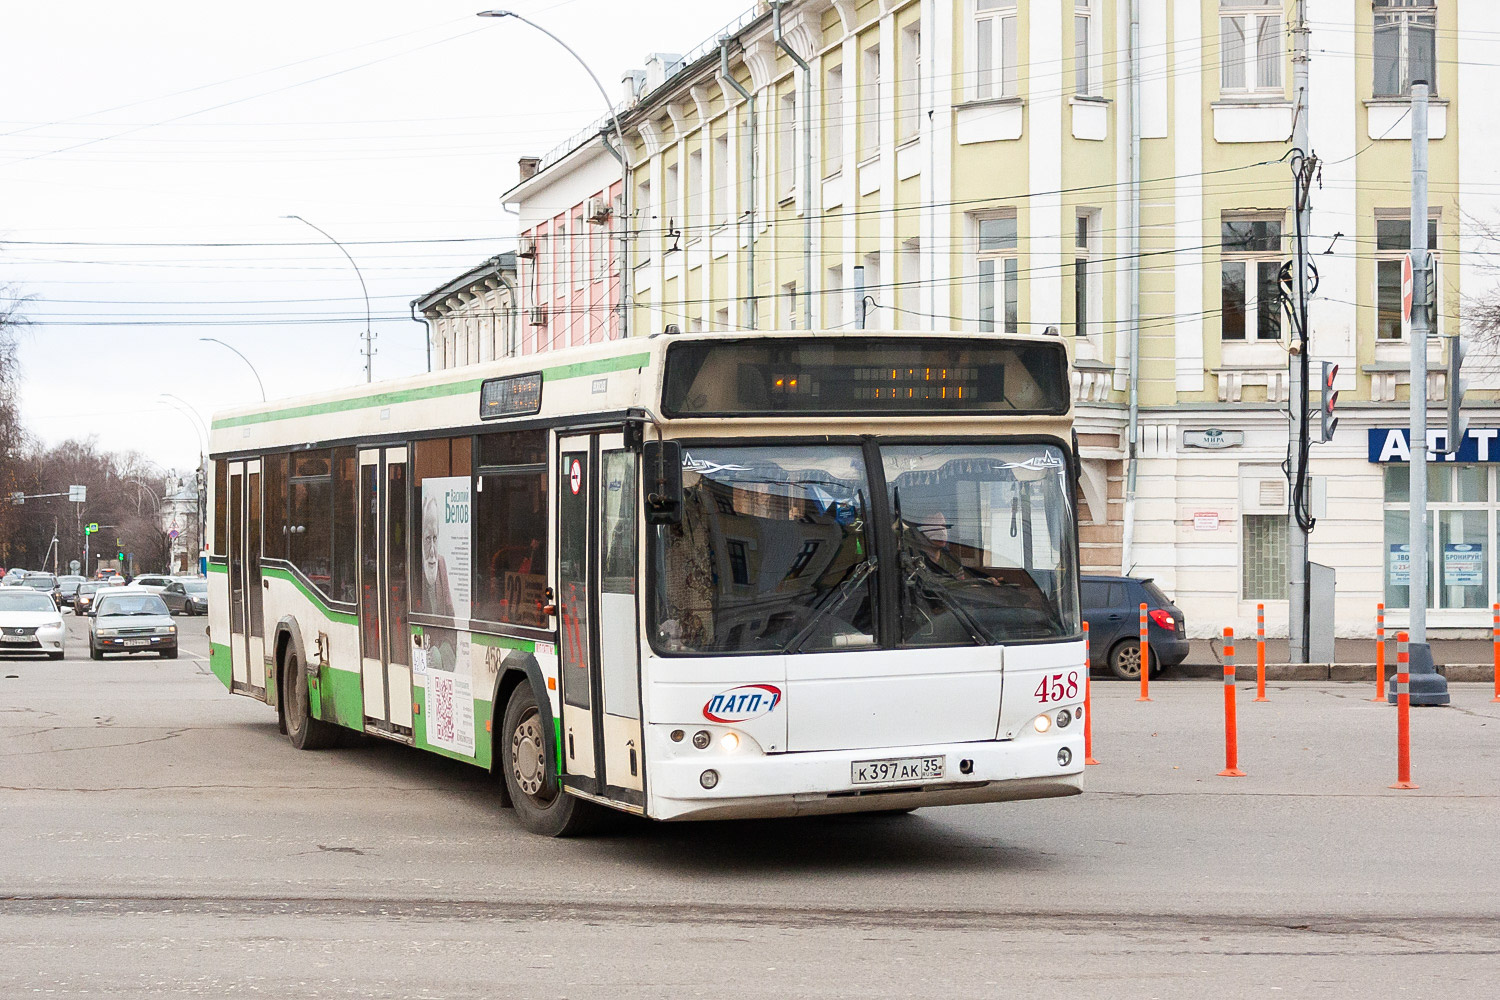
1116,172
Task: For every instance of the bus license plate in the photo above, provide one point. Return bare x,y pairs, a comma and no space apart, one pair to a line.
137,642
877,772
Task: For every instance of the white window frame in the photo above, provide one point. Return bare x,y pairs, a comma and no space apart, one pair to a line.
909,86
1403,14
871,102
671,181
997,268
576,251
1250,261
993,37
693,218
1088,251
1088,75
786,145
875,315
833,119
1259,21
1392,257
719,181
598,250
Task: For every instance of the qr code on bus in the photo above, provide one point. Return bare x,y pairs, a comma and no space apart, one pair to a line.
440,723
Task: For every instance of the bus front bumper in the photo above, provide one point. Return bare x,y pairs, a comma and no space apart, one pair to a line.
751,786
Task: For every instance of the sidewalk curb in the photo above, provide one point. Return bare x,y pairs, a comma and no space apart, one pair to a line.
1326,672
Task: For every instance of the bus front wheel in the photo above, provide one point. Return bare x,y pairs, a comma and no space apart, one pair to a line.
527,759
305,732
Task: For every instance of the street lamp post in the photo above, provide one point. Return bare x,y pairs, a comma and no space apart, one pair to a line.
236,350
369,334
621,155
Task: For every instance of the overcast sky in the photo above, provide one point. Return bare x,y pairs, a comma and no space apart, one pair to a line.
392,124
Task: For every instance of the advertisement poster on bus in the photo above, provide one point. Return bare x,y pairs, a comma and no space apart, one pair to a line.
444,588
443,656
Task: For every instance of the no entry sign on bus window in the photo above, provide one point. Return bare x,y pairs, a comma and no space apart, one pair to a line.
575,476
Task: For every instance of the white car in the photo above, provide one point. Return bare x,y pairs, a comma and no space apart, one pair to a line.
30,622
152,582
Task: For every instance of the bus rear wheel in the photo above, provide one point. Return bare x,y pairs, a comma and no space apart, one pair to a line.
305,732
530,770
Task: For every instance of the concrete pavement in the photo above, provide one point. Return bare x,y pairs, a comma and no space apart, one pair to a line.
162,840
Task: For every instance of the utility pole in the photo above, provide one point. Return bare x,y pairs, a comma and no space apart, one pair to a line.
1428,687
1298,524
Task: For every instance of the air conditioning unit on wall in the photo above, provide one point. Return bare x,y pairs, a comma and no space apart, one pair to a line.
537,315
597,210
526,247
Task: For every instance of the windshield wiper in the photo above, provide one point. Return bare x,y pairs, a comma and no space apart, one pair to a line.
860,573
917,571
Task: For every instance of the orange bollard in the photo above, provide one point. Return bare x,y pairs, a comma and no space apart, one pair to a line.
1495,635
1380,653
1145,659
1088,701
1231,726
1260,653
1403,715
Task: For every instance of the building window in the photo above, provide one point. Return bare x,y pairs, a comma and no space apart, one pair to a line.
1083,35
999,275
786,145
1252,46
739,565
1392,244
788,306
693,222
995,52
875,295
1405,46
719,182
910,299
909,115
669,197
870,104
1250,286
1460,523
597,251
1083,274
833,119
1263,577
576,250
833,298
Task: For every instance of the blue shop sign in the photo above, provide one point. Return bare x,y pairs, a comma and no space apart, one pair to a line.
1391,446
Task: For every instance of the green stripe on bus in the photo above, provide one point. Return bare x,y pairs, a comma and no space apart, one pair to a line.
218,568
341,698
557,736
219,663
503,642
554,374
342,617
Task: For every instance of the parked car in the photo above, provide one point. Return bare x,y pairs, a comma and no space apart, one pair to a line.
83,600
131,621
153,582
1111,606
14,578
67,587
31,623
187,596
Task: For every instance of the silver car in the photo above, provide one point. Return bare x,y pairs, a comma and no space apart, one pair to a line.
126,620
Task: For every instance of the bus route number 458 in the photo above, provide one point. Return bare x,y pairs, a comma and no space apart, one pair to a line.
1058,687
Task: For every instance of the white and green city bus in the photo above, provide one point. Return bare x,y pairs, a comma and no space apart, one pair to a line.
737,575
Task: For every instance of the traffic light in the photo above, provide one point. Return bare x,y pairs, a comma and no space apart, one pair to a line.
1458,424
1330,400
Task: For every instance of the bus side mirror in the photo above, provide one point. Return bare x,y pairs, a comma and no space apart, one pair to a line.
661,470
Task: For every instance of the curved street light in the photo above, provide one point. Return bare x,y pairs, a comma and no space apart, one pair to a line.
369,335
621,155
236,350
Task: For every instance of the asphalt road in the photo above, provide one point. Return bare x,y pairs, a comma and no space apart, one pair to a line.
158,838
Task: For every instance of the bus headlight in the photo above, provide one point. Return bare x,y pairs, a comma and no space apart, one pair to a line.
1064,718
1042,723
701,739
729,742
709,778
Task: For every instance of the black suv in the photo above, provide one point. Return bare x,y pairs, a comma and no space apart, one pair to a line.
1111,606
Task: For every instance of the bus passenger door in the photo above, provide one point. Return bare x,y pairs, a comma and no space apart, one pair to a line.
384,639
599,641
575,640
620,641
255,604
239,631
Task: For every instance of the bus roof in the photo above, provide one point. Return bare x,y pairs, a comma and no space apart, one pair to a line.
606,378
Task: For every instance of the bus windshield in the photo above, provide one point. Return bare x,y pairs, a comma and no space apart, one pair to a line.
776,551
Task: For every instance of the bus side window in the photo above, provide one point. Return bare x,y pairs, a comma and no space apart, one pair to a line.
510,529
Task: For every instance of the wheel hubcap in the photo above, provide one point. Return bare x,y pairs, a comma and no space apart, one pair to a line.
528,756
1130,659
